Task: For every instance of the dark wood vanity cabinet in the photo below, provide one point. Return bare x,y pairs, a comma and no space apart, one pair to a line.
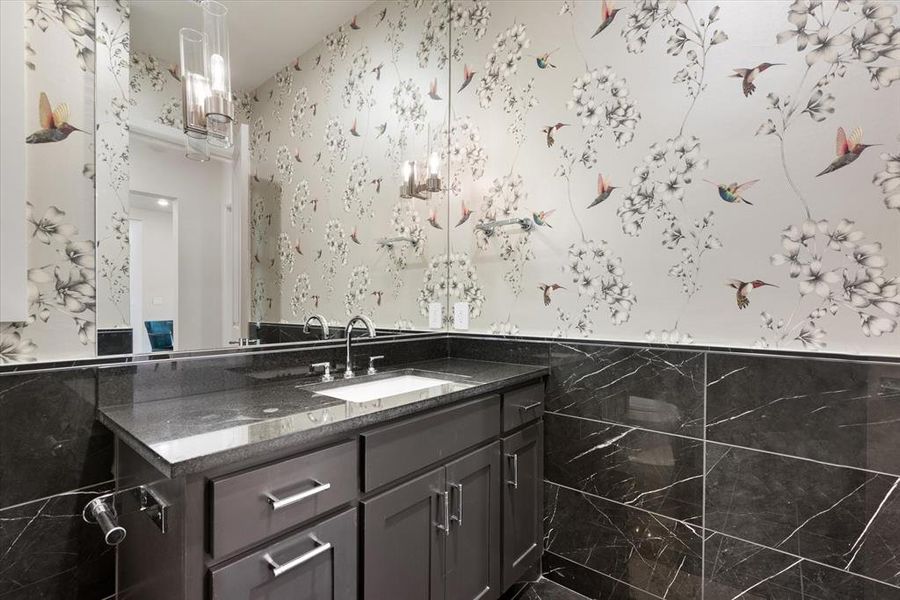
310,565
438,536
445,504
523,481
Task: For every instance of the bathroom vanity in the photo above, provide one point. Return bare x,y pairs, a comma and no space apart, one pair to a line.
423,482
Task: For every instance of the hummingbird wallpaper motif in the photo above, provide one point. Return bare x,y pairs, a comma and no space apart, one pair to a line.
59,59
700,172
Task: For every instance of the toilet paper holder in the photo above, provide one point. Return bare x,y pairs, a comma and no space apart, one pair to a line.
102,512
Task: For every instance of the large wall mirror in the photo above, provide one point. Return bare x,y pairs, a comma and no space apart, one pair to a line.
296,211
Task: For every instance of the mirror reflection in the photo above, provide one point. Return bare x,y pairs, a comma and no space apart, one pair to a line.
265,188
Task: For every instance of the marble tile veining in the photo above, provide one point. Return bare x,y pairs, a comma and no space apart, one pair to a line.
738,569
49,440
842,412
843,517
658,472
47,552
649,552
587,582
655,389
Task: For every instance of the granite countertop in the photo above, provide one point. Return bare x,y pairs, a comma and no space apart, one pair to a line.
182,436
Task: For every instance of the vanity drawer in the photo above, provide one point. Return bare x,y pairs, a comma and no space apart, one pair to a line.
254,505
319,563
392,451
523,405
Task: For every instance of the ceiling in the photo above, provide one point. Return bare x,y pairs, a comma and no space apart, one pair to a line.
265,35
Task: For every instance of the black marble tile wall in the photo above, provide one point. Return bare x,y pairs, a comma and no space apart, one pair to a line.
54,457
49,553
657,389
114,341
673,472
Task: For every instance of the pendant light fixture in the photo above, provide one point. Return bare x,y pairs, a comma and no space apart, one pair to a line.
219,106
207,105
194,92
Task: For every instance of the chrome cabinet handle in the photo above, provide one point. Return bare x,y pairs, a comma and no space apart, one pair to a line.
459,502
444,525
277,502
515,470
278,569
528,407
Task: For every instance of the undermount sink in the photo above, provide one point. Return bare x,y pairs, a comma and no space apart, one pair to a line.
382,388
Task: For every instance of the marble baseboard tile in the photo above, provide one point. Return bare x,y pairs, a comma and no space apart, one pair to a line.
661,390
654,471
49,440
649,552
49,553
840,412
739,569
589,583
838,516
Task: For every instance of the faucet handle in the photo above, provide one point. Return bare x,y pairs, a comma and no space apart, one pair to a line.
372,360
327,366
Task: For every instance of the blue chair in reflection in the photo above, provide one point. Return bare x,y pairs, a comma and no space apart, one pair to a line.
161,335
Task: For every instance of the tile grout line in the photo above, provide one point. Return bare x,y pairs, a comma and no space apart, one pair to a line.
704,530
740,447
601,573
77,491
703,488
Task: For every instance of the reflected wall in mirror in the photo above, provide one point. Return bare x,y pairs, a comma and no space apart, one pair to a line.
295,225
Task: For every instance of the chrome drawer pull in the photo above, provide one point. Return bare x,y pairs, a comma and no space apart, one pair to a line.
459,502
296,562
277,502
515,470
528,407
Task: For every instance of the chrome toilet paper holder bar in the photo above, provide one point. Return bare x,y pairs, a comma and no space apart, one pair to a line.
101,511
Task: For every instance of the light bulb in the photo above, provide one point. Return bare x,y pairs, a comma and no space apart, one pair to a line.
434,164
217,73
162,202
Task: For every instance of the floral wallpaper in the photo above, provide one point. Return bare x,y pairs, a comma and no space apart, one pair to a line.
696,172
155,89
59,64
112,97
328,134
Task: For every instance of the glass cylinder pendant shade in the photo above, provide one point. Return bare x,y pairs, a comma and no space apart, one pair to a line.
219,106
221,134
194,81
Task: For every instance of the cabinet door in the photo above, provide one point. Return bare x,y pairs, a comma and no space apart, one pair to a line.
319,563
523,476
473,546
404,540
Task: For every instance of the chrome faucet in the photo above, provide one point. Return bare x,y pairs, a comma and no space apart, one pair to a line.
349,331
323,322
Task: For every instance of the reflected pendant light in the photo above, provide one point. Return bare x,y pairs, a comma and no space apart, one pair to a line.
218,104
194,92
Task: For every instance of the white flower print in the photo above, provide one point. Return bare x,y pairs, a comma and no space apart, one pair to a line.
355,196
408,106
300,202
300,296
357,290
299,123
284,165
